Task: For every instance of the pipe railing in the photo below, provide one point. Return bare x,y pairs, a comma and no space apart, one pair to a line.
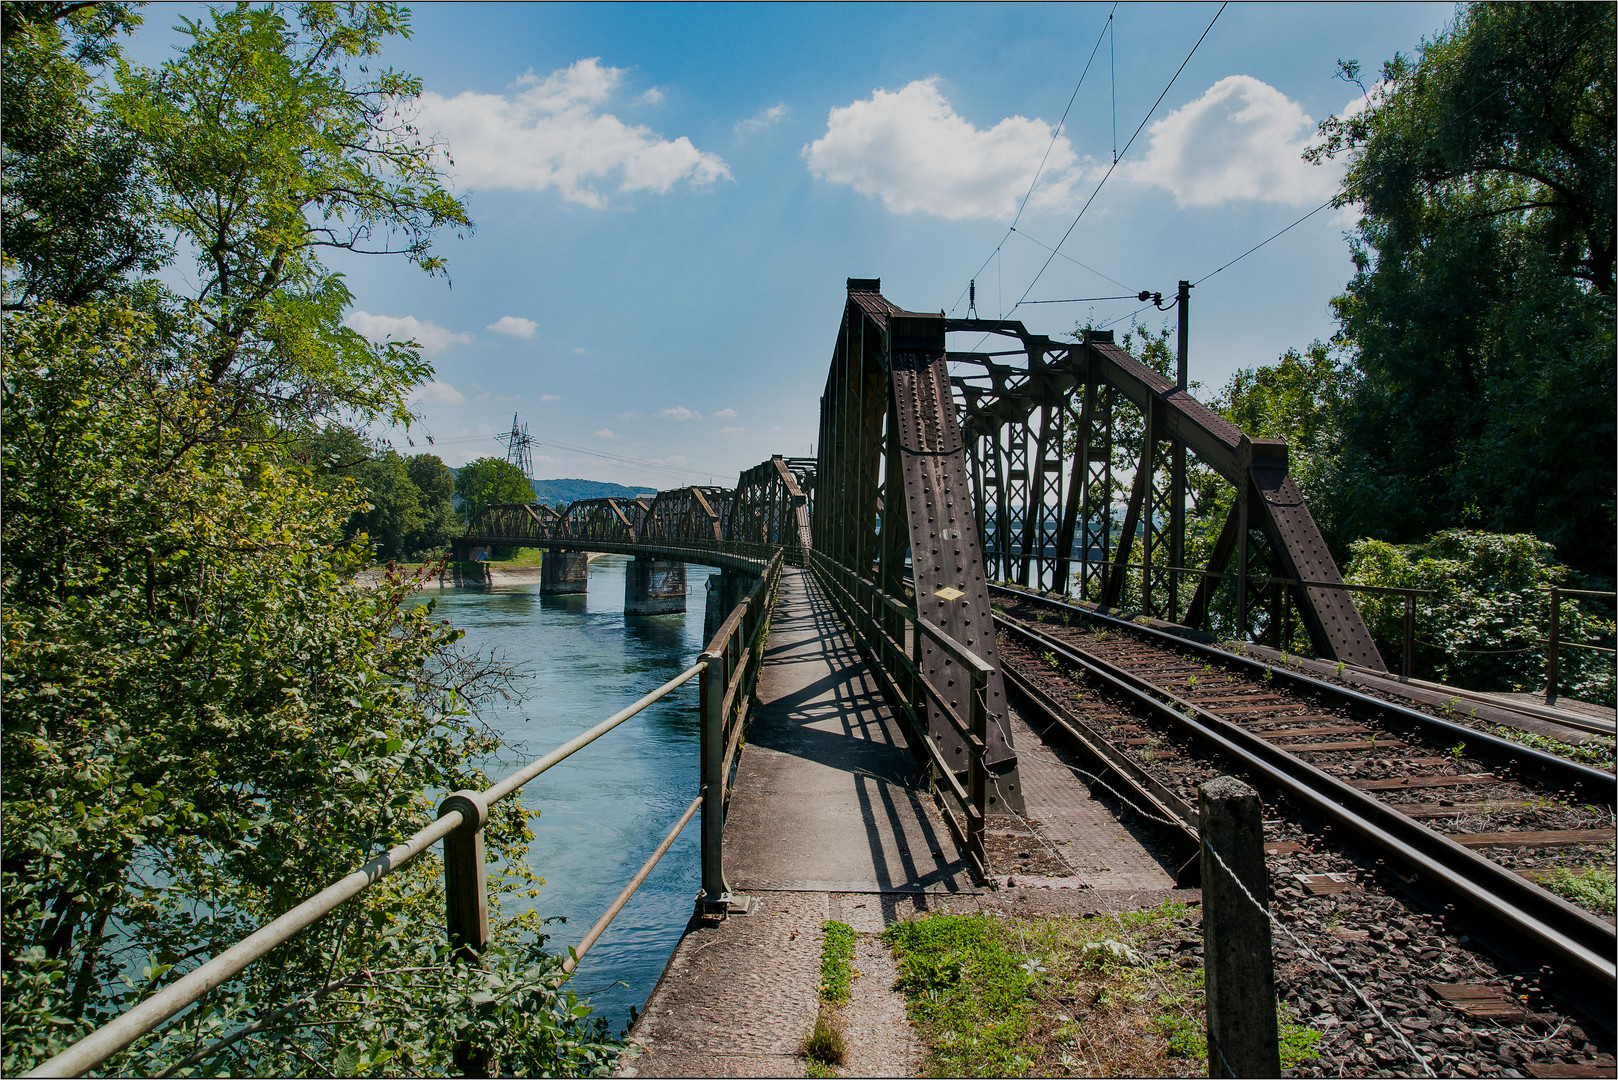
730,662
1553,642
882,627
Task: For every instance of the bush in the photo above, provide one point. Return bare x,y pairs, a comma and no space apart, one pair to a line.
1485,622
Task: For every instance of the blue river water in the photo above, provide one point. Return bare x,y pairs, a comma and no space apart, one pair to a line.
605,809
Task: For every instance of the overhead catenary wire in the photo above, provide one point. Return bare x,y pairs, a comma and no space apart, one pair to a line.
1055,134
1113,168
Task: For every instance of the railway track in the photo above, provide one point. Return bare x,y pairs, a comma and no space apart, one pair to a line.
1464,822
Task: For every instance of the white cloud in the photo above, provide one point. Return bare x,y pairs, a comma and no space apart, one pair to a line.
550,397
629,416
605,433
438,393
765,118
680,412
653,96
733,430
724,414
1243,139
910,148
514,326
552,132
429,335
580,350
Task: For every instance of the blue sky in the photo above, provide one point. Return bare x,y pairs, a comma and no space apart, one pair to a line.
669,198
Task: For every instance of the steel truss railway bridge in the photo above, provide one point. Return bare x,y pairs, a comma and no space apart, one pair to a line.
941,470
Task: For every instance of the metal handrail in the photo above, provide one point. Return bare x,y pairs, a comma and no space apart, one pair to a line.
462,816
894,668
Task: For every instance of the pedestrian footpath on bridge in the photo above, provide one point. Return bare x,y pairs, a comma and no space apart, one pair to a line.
829,820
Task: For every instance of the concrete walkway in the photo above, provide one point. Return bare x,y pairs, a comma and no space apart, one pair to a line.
827,821
826,806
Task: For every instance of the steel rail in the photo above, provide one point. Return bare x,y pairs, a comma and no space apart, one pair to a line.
1555,772
1525,924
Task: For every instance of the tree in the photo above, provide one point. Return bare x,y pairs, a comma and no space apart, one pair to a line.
1301,398
1480,316
487,481
265,150
435,485
75,198
204,717
1486,620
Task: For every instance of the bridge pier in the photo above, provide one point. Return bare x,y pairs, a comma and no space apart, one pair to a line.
654,586
725,590
564,573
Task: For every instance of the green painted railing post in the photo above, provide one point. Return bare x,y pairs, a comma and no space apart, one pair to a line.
715,893
977,775
466,896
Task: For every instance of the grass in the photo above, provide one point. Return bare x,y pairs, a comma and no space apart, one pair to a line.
1593,887
836,963
1054,995
824,1047
1598,752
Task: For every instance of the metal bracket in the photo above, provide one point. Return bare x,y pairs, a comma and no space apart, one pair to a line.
726,904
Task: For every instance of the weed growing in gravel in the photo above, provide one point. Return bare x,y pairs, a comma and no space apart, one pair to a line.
1594,888
1339,668
1598,752
836,963
825,1045
1049,656
997,996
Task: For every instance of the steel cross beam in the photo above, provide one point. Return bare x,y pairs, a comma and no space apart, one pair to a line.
1016,407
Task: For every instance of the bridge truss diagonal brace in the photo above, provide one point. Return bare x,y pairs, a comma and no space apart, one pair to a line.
945,553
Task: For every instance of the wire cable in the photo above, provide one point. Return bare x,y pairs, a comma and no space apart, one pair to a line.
1139,128
1056,134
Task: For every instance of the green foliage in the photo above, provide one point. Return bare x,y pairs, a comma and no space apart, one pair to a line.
825,1045
1481,626
1599,751
962,975
836,962
1594,888
1300,398
487,481
1481,317
435,488
75,196
203,719
1298,1044
268,149
407,509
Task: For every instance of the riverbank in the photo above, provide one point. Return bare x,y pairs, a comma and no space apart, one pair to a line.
493,574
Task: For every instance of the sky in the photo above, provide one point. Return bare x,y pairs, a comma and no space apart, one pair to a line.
669,198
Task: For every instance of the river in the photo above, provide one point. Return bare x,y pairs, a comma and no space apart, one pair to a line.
606,808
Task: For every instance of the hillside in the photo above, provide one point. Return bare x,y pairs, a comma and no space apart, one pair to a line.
562,492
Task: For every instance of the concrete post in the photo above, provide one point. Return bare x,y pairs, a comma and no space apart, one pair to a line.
564,573
654,586
1239,974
